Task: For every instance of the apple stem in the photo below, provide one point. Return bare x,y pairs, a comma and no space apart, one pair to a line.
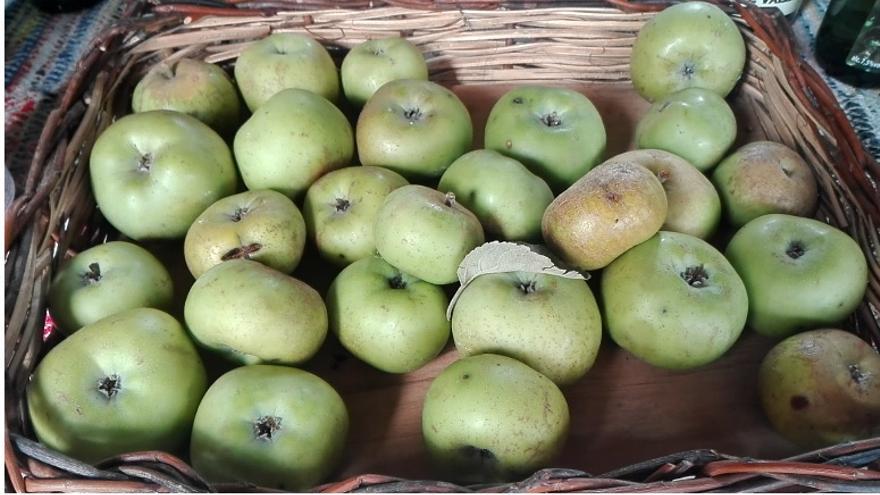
695,276
412,114
450,199
144,163
397,282
688,69
528,287
266,426
342,205
110,385
857,374
551,120
795,250
242,252
238,214
94,274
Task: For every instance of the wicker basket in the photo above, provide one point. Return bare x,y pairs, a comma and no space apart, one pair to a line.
467,43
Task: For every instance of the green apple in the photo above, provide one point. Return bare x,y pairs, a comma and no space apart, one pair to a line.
340,209
371,64
426,233
262,225
391,320
694,123
296,137
414,127
821,388
491,418
253,314
765,177
507,198
687,45
800,273
549,323
154,172
271,426
107,279
556,132
192,87
282,61
693,205
128,382
674,301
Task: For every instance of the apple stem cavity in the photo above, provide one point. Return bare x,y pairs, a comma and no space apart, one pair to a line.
450,199
266,426
795,249
110,385
242,252
696,276
93,276
238,214
397,282
145,162
342,205
551,120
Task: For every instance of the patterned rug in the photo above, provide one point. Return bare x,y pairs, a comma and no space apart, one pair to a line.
42,49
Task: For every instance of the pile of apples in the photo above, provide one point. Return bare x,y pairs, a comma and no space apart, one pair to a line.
411,220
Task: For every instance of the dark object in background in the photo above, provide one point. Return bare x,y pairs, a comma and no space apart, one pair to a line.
848,43
61,6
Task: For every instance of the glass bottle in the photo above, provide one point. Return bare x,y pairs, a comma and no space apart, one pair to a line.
848,42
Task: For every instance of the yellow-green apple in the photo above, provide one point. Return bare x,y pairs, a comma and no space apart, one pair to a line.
261,225
371,64
292,140
765,177
131,381
154,172
549,323
800,273
694,123
193,87
253,314
674,301
687,45
388,319
341,207
414,127
282,61
508,199
270,426
426,233
556,132
107,279
491,418
822,387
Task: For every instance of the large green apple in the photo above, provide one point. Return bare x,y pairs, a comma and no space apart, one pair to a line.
426,233
340,210
556,132
371,64
282,61
272,426
391,320
154,172
821,388
129,382
549,323
296,137
262,225
254,314
107,279
491,418
507,198
192,87
800,273
687,45
414,127
694,123
674,301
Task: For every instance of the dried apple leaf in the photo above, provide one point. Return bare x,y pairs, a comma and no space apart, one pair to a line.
507,257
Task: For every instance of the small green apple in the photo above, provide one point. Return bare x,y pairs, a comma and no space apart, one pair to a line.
154,172
690,44
491,418
282,61
556,132
391,320
341,207
507,198
800,273
694,123
371,64
272,426
549,323
674,301
426,233
415,128
262,225
292,140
